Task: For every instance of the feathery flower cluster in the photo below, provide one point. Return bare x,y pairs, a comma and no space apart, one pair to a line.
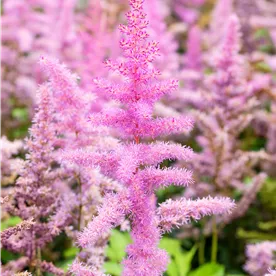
98,154
220,16
168,60
35,196
134,163
260,258
72,106
192,72
229,106
95,38
28,33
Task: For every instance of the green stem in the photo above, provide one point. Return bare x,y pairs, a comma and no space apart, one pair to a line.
38,260
214,242
201,250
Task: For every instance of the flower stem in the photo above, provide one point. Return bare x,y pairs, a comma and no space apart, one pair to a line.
201,250
38,260
214,242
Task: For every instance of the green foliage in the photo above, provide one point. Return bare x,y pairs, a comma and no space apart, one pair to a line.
113,268
7,256
10,222
116,252
261,33
263,67
66,258
168,192
255,235
262,37
71,252
20,114
65,264
267,194
181,261
210,269
250,142
268,225
117,245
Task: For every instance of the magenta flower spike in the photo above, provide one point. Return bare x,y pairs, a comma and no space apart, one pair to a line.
168,59
134,162
193,57
192,72
221,13
70,102
174,213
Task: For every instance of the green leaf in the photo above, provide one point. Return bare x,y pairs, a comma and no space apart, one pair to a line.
247,180
267,193
113,268
267,225
10,222
64,264
180,260
7,256
184,261
111,254
20,113
210,269
71,252
255,235
172,269
261,33
262,66
172,246
117,245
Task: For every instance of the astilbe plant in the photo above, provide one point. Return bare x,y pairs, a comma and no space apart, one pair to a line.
260,258
27,33
187,10
95,34
11,164
191,72
221,120
263,16
227,106
220,15
135,163
168,59
72,105
36,198
245,9
193,56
